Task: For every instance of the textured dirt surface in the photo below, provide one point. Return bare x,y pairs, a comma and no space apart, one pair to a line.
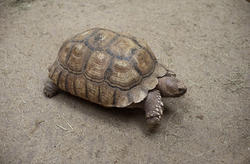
207,43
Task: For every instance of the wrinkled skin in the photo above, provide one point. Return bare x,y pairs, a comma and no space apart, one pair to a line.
168,86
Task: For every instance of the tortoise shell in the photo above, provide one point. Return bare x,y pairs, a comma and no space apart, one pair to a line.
107,68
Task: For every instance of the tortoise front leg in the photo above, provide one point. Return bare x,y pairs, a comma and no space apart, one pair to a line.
50,89
153,108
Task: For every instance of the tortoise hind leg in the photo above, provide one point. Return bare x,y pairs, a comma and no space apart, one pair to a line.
153,108
50,89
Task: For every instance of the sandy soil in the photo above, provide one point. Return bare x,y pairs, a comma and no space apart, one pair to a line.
207,43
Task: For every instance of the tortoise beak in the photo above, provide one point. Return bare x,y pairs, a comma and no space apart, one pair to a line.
182,89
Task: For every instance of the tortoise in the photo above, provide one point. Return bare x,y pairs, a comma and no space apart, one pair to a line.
113,70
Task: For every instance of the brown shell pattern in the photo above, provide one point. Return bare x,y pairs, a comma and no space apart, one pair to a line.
106,68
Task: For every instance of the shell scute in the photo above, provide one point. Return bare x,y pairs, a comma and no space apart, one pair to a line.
123,75
62,80
97,65
80,86
83,36
64,52
70,81
122,99
144,62
93,92
107,95
78,57
124,48
101,39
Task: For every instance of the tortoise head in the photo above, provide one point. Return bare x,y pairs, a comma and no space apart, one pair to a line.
170,86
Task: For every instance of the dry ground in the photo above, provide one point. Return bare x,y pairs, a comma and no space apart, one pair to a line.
207,43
